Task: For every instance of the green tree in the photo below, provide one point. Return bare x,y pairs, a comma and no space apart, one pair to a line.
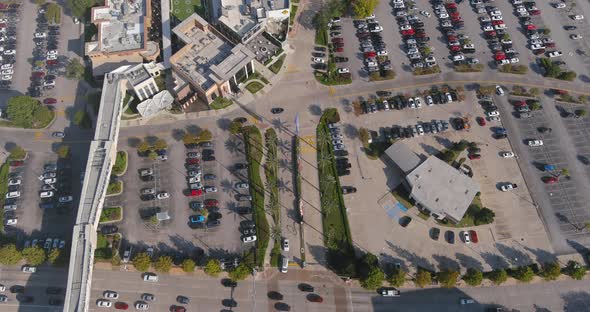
188,265
473,277
551,271
397,278
75,69
9,255
53,256
534,91
26,112
575,270
152,155
484,216
17,152
364,8
581,112
160,144
142,261
240,273
213,267
143,147
371,275
205,135
422,278
34,255
39,2
163,264
551,70
235,127
524,274
567,75
448,278
189,138
535,105
364,135
63,151
498,276
546,31
82,119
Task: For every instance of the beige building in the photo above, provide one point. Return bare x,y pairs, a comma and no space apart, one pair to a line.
208,65
122,37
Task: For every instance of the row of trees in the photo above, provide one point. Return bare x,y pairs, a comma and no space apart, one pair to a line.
372,276
554,71
142,262
10,255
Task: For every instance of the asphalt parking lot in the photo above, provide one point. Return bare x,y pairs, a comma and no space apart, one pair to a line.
562,204
175,235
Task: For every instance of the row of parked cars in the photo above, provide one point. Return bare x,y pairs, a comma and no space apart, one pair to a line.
372,45
451,23
415,38
8,41
45,56
342,164
390,102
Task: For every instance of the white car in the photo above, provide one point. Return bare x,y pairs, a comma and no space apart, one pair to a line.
555,54
430,59
12,221
102,303
14,194
429,100
507,154
499,91
52,52
50,180
494,118
9,52
343,70
492,113
496,13
485,19
249,239
465,237
7,66
443,15
503,62
488,28
318,60
7,72
497,18
466,300
65,199
500,26
418,102
109,294
29,269
405,27
210,189
377,29
420,129
382,53
163,195
48,243
577,17
7,77
2,288
285,244
424,13
47,194
507,187
576,37
459,57
40,35
514,60
14,182
535,143
559,5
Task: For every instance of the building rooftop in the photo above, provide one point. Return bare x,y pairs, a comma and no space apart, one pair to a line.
207,59
120,25
441,188
238,15
160,101
403,157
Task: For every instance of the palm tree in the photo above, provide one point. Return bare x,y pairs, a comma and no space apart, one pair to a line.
284,145
275,232
324,161
283,185
279,124
323,138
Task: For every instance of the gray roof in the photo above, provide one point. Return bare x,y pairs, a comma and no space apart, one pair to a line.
403,157
441,188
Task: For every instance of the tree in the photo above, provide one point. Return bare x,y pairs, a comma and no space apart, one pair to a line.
567,75
364,8
371,275
534,91
188,265
364,135
39,2
143,147
213,267
142,261
575,270
74,69
34,255
397,277
63,151
152,155
240,273
581,112
551,70
235,127
498,276
163,264
26,112
473,277
17,152
423,278
189,138
79,7
205,135
53,256
535,105
484,216
565,172
524,274
448,278
160,144
82,119
9,255
551,271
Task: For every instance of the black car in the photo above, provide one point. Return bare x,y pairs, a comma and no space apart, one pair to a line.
435,233
147,178
348,189
17,289
247,224
208,158
244,210
108,229
341,153
281,306
499,136
240,166
275,295
183,300
206,144
53,290
570,27
450,237
276,110
55,302
405,221
305,287
148,197
213,223
229,283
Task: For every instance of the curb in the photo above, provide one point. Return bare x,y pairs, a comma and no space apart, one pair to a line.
119,193
126,166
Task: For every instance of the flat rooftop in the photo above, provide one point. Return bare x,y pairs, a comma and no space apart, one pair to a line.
121,25
236,15
442,188
207,59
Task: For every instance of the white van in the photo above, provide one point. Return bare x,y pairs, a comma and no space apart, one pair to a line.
284,264
150,277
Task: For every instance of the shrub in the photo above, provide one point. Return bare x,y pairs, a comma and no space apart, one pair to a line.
473,277
551,271
524,274
163,264
34,255
447,278
213,267
120,163
371,275
17,152
575,270
188,265
422,278
53,256
240,273
498,276
9,255
397,277
63,151
142,261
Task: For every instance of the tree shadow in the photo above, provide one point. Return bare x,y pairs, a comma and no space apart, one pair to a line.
133,142
351,131
234,146
284,145
443,141
543,256
280,124
411,257
495,261
315,110
151,139
284,164
226,186
513,255
284,186
9,146
576,301
223,123
319,253
468,262
446,263
389,262
193,129
540,309
581,249
429,149
178,134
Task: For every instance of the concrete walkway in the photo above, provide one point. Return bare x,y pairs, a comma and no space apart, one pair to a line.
165,6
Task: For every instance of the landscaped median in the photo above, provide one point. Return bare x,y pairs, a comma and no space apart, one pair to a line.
254,152
271,169
115,188
111,214
337,237
120,165
4,170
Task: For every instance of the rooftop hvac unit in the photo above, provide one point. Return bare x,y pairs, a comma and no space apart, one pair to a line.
260,13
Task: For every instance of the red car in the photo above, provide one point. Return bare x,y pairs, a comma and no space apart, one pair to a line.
455,14
339,49
38,74
550,180
455,48
408,32
337,40
17,163
49,101
539,51
481,121
177,309
51,62
550,45
315,298
519,103
211,202
473,235
192,161
194,193
456,18
497,22
370,54
490,34
121,306
500,56
531,27
451,38
420,35
474,156
535,12
2,25
557,91
451,6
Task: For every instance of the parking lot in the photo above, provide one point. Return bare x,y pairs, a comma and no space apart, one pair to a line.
204,187
562,200
499,244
